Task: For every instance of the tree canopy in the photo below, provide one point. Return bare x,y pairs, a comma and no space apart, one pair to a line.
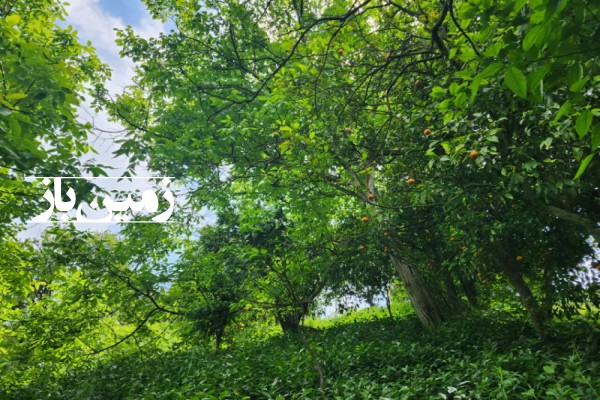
443,151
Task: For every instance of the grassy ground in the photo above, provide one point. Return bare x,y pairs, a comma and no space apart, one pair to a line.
401,309
361,358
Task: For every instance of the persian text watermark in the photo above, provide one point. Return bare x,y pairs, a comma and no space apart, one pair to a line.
111,211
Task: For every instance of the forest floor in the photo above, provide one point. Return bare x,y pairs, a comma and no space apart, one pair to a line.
361,356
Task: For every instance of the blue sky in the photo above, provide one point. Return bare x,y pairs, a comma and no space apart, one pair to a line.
96,21
130,10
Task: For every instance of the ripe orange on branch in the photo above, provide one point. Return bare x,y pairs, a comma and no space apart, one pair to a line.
365,219
520,258
427,131
371,196
473,154
411,181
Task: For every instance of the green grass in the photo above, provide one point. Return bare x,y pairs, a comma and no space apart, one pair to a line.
399,310
477,358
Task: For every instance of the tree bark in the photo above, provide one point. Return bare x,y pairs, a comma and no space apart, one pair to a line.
507,263
454,301
388,302
289,320
429,310
589,226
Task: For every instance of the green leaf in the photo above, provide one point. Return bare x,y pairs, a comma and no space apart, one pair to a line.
549,369
596,137
490,70
583,123
564,109
474,88
537,36
515,80
534,79
554,8
578,85
546,143
518,4
575,72
13,19
584,164
14,126
15,96
437,92
284,146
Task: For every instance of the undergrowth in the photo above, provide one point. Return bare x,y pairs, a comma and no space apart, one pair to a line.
477,358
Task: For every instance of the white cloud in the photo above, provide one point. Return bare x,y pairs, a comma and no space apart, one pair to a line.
97,25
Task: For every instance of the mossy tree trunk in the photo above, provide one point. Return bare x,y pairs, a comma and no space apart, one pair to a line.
429,308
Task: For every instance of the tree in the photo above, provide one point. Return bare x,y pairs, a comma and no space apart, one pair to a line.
257,100
43,77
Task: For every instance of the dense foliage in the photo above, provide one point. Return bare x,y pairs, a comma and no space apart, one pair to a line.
437,154
369,359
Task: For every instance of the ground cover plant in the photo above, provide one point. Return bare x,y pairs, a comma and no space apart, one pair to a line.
437,160
490,357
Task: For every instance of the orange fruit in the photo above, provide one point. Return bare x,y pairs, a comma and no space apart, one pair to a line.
452,239
473,154
341,52
365,219
427,131
371,196
520,258
411,181
361,247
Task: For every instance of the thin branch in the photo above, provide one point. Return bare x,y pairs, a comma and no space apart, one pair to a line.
140,325
451,7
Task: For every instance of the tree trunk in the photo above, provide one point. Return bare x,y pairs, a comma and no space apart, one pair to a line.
454,301
388,302
508,264
428,309
289,320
